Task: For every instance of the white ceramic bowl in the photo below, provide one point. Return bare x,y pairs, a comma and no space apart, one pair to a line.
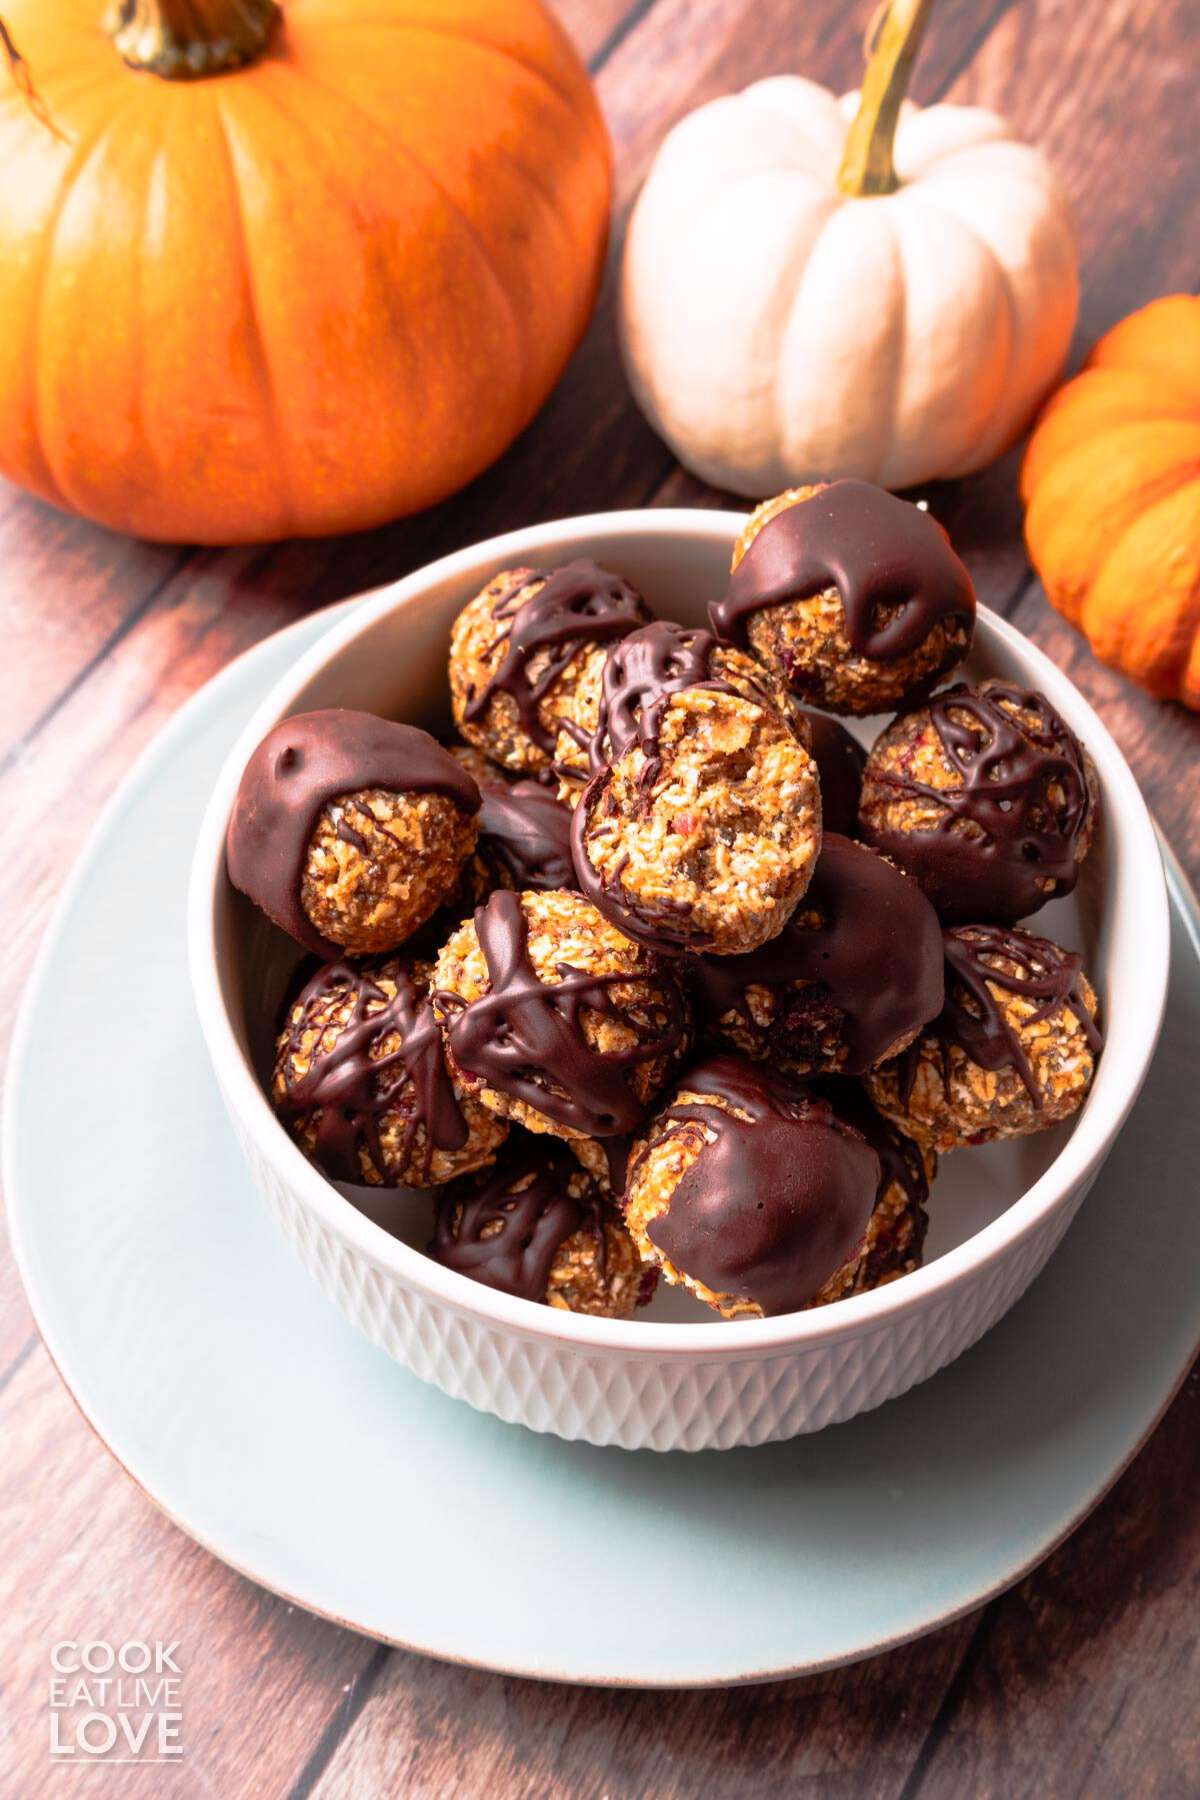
676,1378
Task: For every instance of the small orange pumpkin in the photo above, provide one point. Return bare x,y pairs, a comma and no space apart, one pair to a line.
1111,481
286,272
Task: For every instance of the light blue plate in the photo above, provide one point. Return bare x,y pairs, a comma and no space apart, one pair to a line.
271,1432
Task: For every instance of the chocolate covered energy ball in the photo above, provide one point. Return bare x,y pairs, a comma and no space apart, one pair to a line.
987,797
894,1242
1013,1050
362,1082
520,650
536,1226
554,1019
850,980
840,759
349,831
853,595
701,829
750,1191
627,683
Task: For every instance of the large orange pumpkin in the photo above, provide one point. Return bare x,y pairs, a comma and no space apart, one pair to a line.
1111,480
301,295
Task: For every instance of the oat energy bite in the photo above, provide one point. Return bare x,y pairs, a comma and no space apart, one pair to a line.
349,830
854,596
850,980
1013,1050
519,652
361,1081
536,1227
749,1190
701,827
987,797
553,1019
629,682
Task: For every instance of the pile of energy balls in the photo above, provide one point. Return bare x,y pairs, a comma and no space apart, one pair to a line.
656,972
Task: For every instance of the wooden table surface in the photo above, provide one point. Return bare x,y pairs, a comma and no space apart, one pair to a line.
1081,1680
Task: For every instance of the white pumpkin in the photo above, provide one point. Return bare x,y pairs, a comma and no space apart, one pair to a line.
777,328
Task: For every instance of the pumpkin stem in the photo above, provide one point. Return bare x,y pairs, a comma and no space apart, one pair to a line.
893,39
19,70
184,40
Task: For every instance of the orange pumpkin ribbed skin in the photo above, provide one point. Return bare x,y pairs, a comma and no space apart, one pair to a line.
302,297
1111,484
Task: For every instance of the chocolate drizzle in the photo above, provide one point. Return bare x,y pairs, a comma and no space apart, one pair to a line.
872,969
878,551
528,833
525,1038
778,1201
641,677
1016,835
577,605
347,1093
506,1226
974,1020
840,759
302,765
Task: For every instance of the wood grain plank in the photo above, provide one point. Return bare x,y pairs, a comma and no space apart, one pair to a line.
1085,1676
88,1557
288,1702
429,1729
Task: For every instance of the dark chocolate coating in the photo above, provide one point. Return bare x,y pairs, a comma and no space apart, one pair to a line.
972,1017
525,1038
839,758
348,1093
525,830
876,549
528,1194
778,1202
1005,769
577,605
900,1159
875,965
301,765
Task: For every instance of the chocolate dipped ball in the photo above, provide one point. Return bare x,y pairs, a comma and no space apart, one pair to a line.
986,797
854,596
850,980
349,831
627,686
750,1191
894,1243
520,652
1013,1050
362,1082
840,760
536,1226
554,1019
701,826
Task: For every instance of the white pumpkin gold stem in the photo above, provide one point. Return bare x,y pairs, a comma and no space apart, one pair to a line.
184,40
893,41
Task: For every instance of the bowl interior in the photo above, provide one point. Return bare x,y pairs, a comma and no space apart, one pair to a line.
394,663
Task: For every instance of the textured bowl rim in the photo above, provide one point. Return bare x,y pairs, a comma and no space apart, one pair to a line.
1140,929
